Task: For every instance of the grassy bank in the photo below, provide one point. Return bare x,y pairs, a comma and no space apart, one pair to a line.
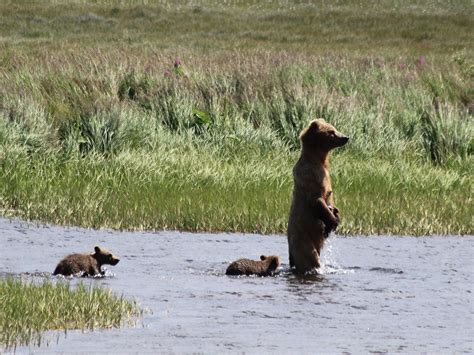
27,310
99,129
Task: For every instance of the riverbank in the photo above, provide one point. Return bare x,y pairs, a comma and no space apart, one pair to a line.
127,136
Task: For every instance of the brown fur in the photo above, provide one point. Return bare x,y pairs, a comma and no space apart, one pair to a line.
312,215
86,264
265,267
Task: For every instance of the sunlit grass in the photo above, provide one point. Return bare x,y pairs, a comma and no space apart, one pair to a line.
98,129
27,310
202,193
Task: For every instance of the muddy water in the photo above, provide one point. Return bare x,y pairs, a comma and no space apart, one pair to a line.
376,294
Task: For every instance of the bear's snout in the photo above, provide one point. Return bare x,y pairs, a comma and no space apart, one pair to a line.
339,141
114,261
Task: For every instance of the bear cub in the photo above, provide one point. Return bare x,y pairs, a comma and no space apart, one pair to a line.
266,266
86,264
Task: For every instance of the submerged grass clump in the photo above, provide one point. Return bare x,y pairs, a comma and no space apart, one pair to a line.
131,137
27,310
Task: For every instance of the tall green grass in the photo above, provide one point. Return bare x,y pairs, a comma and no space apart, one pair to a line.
120,138
27,310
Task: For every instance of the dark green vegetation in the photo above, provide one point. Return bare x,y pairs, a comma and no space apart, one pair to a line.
97,128
27,310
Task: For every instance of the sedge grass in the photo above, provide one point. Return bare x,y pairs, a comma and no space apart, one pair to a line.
197,193
114,136
27,310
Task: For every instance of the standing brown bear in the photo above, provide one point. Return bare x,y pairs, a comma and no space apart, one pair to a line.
312,215
86,264
266,266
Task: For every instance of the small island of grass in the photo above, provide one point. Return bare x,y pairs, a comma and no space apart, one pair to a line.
27,310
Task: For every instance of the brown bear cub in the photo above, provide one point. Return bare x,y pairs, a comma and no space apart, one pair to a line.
313,214
266,266
85,264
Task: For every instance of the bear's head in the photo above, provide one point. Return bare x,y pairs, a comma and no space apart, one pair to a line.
322,135
103,256
272,262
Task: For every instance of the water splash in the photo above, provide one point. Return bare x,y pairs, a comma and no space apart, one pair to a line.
329,264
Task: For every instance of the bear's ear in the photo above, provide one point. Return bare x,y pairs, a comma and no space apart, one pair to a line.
313,127
275,263
262,257
97,249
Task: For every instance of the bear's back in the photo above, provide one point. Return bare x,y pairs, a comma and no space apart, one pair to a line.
252,267
243,267
76,263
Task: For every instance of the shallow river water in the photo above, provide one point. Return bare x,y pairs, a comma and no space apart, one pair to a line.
375,294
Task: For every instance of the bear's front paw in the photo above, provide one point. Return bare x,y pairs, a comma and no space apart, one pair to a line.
332,225
328,229
335,211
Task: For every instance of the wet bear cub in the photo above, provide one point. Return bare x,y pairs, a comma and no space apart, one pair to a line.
266,266
86,264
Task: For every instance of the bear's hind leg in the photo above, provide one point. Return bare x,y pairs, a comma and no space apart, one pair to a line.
306,260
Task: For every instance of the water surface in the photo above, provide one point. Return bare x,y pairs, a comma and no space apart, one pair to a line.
376,294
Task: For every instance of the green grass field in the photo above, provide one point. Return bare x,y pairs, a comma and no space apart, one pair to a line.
27,310
99,129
